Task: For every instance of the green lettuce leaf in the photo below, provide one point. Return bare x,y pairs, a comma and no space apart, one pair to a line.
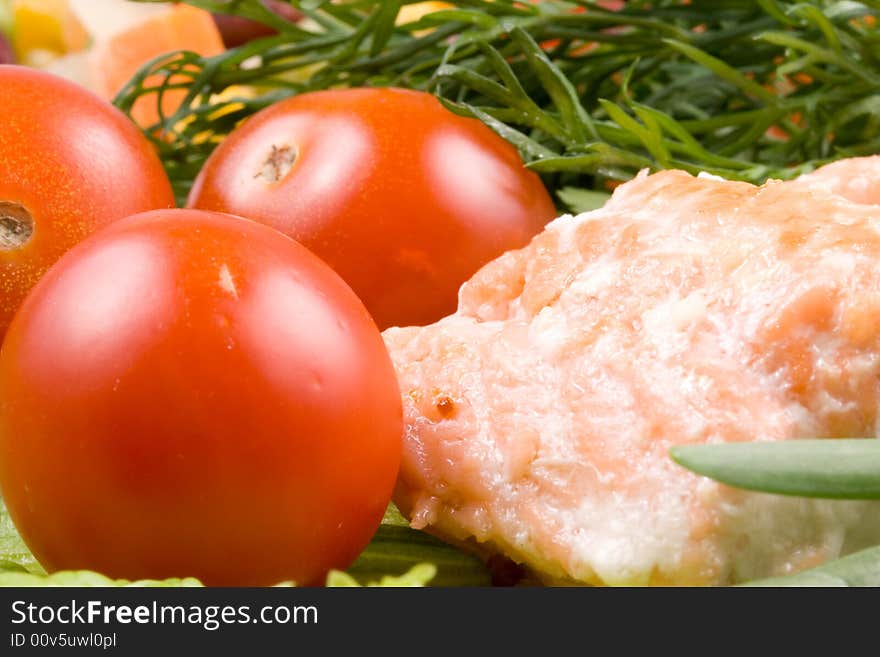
397,557
14,554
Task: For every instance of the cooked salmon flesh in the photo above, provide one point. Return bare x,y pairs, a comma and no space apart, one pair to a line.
539,416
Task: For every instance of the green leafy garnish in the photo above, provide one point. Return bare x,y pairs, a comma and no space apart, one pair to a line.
858,569
419,575
394,550
397,556
11,577
830,468
14,554
746,90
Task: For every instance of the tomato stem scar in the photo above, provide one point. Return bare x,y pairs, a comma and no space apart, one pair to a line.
278,164
16,225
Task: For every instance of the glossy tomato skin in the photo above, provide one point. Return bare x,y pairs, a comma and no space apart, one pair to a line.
192,394
74,163
403,198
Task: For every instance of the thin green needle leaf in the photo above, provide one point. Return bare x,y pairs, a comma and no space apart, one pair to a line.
869,106
821,54
387,16
689,145
561,90
723,70
528,146
464,16
509,80
484,85
529,113
815,16
772,7
831,468
599,157
650,138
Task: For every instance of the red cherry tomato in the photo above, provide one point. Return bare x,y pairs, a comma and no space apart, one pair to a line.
192,394
69,164
403,198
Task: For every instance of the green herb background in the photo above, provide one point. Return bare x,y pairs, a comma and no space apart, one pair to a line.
745,89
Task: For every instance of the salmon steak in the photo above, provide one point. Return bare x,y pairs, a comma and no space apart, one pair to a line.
687,310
